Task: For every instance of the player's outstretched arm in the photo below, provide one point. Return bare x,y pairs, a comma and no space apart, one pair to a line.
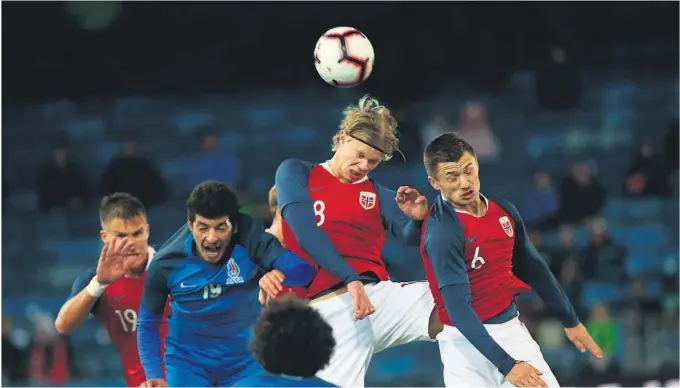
444,245
530,267
268,253
148,323
405,229
297,210
84,299
88,287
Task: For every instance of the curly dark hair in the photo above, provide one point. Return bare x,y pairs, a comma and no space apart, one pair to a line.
212,199
292,338
120,205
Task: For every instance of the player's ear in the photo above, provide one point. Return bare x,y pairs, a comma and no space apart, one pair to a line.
189,225
102,234
433,183
343,136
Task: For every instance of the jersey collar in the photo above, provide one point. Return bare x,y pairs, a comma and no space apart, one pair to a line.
152,253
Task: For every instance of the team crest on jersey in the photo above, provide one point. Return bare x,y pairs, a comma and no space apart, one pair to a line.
507,226
367,200
234,273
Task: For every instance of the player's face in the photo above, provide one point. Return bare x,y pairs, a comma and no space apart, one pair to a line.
458,182
136,229
211,236
354,160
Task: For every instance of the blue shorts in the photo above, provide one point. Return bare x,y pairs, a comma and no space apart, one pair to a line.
183,373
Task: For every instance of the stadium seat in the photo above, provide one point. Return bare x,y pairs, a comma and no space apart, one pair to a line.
594,292
86,127
78,248
189,122
643,235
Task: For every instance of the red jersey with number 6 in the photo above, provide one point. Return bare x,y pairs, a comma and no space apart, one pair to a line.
479,248
350,215
117,310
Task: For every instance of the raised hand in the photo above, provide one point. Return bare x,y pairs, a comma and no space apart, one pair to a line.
115,260
411,202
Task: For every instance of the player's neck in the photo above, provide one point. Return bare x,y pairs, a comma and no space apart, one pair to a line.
476,208
335,169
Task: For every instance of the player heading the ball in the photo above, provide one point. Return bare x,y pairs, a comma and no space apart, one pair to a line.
336,217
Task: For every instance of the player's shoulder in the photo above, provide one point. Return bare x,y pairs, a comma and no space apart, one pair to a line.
505,205
174,248
442,213
292,167
442,222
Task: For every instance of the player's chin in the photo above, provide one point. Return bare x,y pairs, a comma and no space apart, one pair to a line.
355,176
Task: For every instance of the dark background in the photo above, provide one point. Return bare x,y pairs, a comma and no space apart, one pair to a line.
185,47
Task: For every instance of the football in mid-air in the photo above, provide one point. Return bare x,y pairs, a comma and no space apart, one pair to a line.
344,57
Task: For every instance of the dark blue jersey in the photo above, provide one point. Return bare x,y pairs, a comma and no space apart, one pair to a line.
213,304
272,380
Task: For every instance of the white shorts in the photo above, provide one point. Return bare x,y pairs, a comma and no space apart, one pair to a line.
465,366
402,315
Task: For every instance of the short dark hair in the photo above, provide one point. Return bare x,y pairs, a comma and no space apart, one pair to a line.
212,199
292,338
445,148
120,205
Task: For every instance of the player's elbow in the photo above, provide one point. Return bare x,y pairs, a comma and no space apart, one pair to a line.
63,325
298,272
305,274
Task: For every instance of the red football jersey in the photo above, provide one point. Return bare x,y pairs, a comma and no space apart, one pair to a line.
117,312
350,215
488,250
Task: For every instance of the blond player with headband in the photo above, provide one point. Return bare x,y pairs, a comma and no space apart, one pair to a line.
336,217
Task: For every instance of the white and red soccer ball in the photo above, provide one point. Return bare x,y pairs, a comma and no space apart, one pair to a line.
344,57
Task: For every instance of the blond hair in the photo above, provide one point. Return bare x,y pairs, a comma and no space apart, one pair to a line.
273,200
370,123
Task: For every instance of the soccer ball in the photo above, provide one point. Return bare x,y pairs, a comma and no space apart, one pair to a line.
344,57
